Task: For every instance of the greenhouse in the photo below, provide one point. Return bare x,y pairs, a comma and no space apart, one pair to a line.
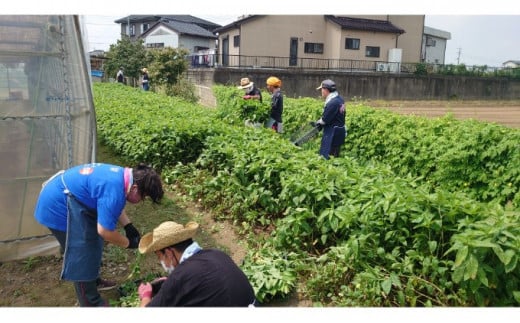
47,120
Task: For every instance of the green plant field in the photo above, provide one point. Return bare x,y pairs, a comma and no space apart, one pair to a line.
370,228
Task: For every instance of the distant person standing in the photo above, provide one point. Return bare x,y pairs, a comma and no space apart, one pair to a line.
332,120
275,121
146,79
120,76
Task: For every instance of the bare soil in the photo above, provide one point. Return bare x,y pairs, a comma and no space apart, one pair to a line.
506,113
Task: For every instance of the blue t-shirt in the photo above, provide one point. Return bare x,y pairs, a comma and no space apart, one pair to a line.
100,187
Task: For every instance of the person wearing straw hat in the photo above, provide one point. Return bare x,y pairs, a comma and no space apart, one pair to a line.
251,91
196,276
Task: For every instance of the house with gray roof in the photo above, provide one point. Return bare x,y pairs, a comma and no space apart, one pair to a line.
176,31
511,64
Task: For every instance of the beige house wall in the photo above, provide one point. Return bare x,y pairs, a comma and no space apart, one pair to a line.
384,41
233,50
333,42
411,40
270,35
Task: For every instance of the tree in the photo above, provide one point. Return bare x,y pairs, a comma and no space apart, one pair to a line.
130,55
166,67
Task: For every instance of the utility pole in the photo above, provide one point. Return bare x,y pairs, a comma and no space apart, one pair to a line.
458,56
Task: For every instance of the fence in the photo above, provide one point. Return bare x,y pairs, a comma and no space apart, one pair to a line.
345,65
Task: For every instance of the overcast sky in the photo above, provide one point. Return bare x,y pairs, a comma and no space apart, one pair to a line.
481,33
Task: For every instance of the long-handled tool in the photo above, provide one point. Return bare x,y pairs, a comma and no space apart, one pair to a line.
308,135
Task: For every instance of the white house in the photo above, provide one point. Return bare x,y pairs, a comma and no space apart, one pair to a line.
511,64
176,31
433,49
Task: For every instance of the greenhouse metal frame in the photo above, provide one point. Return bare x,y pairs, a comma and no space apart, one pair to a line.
47,120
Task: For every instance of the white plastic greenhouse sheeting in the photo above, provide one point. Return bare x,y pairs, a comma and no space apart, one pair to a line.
47,120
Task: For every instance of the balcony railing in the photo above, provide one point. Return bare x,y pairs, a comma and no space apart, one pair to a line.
242,61
345,65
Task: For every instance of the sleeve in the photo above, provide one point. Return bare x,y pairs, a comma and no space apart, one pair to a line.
168,295
110,204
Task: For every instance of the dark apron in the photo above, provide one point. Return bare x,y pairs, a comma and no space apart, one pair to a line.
332,137
84,246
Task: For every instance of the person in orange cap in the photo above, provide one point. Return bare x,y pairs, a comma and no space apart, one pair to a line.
275,121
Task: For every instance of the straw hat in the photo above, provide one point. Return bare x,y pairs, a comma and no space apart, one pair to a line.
144,70
166,234
245,83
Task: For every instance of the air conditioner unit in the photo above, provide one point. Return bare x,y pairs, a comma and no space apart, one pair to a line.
382,67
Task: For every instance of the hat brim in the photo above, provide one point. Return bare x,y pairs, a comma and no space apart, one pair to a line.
162,237
246,86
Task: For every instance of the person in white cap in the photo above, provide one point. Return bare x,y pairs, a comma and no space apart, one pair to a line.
332,120
250,90
196,276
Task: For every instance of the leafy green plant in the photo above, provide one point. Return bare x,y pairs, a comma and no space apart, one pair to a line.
167,65
131,55
29,263
405,194
271,274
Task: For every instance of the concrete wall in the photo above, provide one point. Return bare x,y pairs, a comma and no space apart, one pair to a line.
298,83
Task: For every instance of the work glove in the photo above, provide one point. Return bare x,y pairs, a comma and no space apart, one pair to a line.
134,242
246,97
131,231
145,290
133,236
316,125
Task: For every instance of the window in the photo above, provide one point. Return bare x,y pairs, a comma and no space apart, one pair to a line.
430,42
313,48
132,30
236,41
372,51
145,27
155,45
352,43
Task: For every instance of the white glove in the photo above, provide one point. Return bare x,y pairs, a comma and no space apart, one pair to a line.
320,122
